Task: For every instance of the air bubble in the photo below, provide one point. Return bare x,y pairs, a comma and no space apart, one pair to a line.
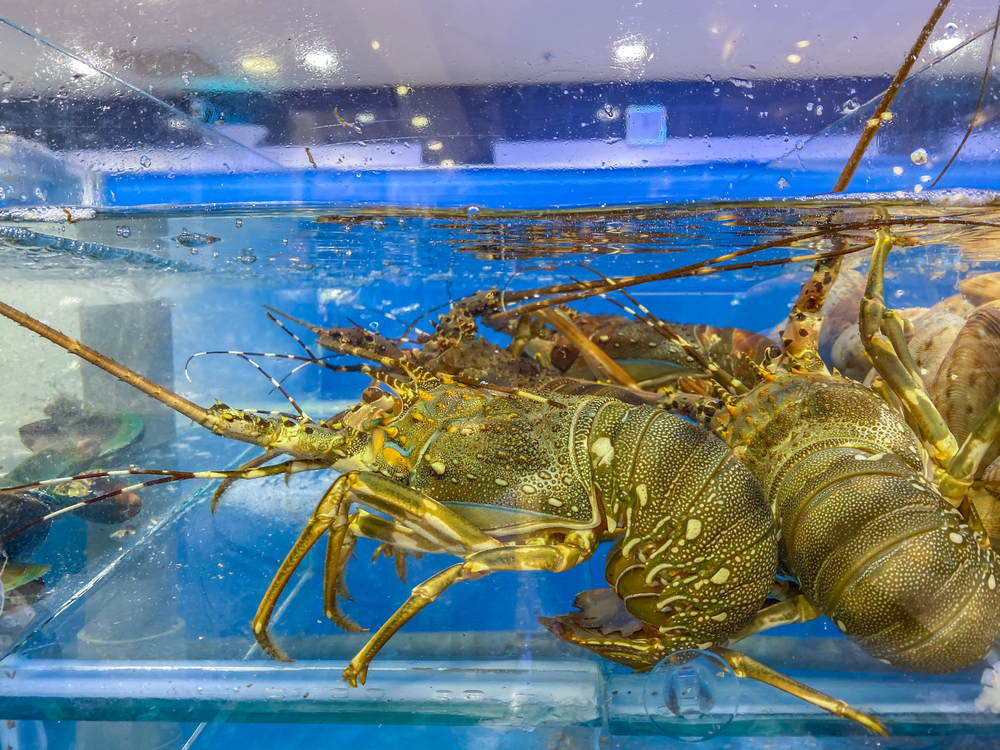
145,161
239,223
123,230
851,106
284,241
950,29
472,210
247,257
691,695
819,109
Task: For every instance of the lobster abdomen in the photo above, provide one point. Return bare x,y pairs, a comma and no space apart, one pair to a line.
870,540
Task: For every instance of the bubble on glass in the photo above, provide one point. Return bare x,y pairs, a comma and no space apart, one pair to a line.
247,257
123,230
691,695
799,145
145,161
41,194
783,183
809,106
819,109
239,223
284,241
472,210
950,29
919,157
851,106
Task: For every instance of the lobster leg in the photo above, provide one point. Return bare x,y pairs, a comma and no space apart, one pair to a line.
891,358
643,651
552,557
795,610
744,666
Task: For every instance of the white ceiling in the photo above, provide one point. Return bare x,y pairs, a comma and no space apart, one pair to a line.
167,45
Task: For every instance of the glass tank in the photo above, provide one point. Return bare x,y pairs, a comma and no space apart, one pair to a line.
605,375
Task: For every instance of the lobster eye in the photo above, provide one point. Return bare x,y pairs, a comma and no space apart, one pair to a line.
372,394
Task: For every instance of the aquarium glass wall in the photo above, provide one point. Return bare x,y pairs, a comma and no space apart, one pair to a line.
499,375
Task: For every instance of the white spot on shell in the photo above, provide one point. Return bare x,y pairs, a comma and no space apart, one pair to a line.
641,494
603,452
991,582
528,489
721,576
501,482
693,528
438,467
840,626
719,617
955,537
554,503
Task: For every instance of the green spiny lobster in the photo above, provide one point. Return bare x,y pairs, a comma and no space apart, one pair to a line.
896,558
519,481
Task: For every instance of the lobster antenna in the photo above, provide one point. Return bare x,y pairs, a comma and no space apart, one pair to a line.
292,334
727,381
974,120
287,467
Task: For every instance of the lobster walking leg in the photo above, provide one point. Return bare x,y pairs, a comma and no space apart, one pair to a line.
891,357
550,557
894,363
744,666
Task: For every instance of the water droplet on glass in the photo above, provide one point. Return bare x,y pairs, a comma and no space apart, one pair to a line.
247,257
145,161
809,107
900,293
716,91
949,30
38,132
284,241
239,223
194,251
40,194
851,106
5,86
691,695
919,157
799,145
123,230
186,78
783,183
3,129
819,109
472,210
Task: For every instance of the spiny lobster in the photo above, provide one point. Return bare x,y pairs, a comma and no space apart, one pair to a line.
896,558
519,481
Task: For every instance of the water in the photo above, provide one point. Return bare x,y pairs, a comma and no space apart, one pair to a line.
148,619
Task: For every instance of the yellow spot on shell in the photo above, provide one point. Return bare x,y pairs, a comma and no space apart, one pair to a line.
721,576
641,494
501,482
554,503
991,582
693,528
719,617
603,452
955,537
438,467
528,489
